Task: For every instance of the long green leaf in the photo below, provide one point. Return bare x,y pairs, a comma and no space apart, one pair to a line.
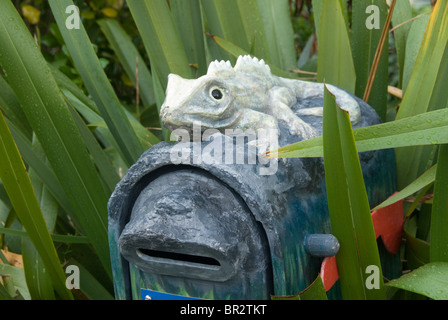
248,25
253,28
413,44
439,214
97,84
12,109
429,280
430,65
187,17
234,50
42,169
102,162
231,23
20,191
37,276
400,20
60,238
130,59
425,129
421,182
212,25
426,91
21,137
317,9
89,111
67,85
161,38
85,107
28,74
279,33
348,205
335,61
364,45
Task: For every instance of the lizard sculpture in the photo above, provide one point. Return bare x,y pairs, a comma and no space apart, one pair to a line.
247,96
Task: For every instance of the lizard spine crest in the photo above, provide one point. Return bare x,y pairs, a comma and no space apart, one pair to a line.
218,67
243,64
247,63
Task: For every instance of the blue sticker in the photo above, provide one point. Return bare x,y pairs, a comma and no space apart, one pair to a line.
155,295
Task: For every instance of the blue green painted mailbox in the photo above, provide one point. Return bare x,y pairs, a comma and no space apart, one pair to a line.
223,231
189,220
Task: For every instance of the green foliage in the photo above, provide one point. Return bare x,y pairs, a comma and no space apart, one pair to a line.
425,129
364,44
422,96
335,61
21,194
82,105
429,280
416,127
439,216
349,207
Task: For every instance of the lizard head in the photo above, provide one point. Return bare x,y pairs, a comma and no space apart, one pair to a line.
217,99
207,101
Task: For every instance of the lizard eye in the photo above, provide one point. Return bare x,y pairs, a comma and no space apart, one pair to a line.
216,93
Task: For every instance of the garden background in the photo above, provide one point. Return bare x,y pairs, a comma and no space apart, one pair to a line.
80,105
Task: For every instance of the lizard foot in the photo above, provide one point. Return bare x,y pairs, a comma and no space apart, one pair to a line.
299,127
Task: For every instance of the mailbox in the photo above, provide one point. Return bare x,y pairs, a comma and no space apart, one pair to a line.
180,227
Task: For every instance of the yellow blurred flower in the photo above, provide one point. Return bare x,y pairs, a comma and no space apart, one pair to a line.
110,12
31,14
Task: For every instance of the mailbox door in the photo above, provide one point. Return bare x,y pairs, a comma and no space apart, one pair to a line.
190,235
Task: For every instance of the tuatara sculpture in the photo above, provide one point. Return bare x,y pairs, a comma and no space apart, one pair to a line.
247,96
